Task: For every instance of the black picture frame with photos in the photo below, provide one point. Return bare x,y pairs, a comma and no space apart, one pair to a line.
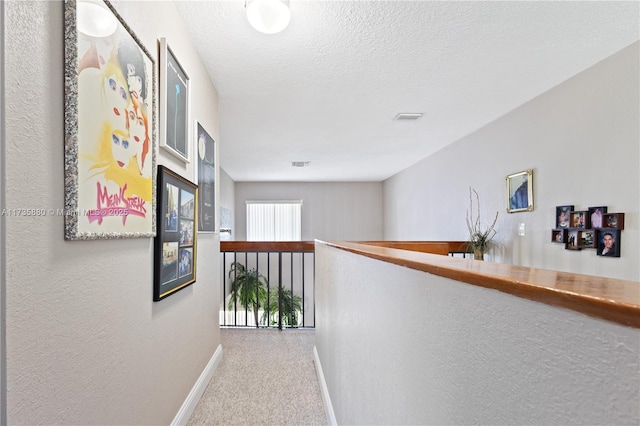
175,246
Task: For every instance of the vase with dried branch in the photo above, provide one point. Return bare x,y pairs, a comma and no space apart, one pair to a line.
479,238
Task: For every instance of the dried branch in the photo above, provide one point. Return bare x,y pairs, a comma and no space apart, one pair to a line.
478,239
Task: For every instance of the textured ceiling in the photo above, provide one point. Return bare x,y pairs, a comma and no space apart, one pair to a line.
326,89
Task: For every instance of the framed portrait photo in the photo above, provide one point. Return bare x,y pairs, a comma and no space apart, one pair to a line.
206,180
175,245
175,92
109,126
609,242
520,192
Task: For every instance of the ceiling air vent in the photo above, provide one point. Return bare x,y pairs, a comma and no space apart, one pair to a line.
300,163
408,116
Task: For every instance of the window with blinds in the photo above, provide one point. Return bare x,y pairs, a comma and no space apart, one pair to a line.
274,220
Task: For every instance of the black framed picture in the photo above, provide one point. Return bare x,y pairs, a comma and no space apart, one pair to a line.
175,244
175,92
609,242
573,242
206,180
596,215
563,215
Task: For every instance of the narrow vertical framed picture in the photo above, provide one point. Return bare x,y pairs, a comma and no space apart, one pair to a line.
175,246
175,93
206,180
520,192
573,242
109,115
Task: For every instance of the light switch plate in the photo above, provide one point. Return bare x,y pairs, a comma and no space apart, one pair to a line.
521,230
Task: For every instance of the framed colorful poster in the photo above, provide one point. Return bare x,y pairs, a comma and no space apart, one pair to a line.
175,90
206,180
175,245
109,126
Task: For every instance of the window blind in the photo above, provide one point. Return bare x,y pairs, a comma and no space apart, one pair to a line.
274,220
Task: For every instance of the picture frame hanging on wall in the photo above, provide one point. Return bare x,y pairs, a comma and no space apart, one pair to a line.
563,216
520,192
109,126
175,93
206,180
175,246
609,242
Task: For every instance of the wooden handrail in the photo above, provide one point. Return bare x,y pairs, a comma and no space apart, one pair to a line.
267,246
435,247
606,298
423,247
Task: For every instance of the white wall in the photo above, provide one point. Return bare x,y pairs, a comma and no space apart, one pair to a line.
227,201
400,346
333,210
85,342
3,376
581,139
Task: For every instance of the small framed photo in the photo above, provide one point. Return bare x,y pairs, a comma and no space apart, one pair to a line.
559,235
573,243
609,242
520,192
206,180
175,243
586,238
563,216
596,215
175,91
579,219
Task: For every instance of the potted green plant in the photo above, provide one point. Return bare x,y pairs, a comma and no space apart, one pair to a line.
248,287
479,238
291,306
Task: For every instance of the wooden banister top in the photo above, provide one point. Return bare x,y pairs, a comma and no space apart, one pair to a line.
267,246
606,298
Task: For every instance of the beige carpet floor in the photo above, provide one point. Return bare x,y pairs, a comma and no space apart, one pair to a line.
266,377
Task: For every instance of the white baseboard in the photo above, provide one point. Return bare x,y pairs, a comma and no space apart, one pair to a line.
328,407
189,404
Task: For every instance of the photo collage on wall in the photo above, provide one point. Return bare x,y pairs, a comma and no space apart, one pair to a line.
176,241
592,228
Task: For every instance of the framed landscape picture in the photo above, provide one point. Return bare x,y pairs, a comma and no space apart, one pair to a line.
109,126
175,91
175,245
206,180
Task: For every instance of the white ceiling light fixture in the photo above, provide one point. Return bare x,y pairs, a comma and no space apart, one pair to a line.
408,116
268,16
95,20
